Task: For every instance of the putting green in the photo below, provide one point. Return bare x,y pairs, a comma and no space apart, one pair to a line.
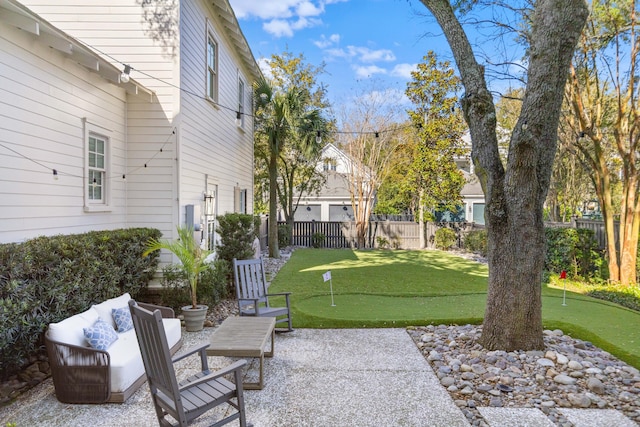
586,318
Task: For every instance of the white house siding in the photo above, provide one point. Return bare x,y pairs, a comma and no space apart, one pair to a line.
145,36
44,97
213,146
162,40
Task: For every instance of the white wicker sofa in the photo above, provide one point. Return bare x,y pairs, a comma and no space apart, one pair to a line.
83,374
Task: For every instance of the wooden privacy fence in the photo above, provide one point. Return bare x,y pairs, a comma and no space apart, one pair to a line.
396,234
402,234
598,230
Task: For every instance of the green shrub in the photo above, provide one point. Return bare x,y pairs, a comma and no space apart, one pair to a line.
284,235
47,279
237,233
212,285
628,296
317,240
573,250
445,238
476,241
382,242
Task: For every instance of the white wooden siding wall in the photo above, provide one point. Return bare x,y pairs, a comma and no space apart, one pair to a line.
43,99
145,37
212,143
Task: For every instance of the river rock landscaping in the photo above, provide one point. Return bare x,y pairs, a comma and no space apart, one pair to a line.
568,373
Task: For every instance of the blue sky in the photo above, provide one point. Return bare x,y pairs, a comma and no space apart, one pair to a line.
363,43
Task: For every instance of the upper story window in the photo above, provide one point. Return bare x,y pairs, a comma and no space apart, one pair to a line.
241,102
212,68
330,165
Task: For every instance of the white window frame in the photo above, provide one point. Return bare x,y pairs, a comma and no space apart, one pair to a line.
241,101
210,221
212,70
240,200
93,131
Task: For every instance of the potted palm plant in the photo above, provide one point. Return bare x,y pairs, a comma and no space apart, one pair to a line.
192,262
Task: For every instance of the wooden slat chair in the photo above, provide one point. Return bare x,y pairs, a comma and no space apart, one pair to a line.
194,396
251,291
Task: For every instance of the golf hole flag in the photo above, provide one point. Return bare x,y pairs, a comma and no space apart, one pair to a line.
327,278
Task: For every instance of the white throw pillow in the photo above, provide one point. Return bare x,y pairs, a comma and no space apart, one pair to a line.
104,308
69,330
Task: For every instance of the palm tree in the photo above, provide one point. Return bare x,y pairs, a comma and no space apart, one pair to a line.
283,117
192,257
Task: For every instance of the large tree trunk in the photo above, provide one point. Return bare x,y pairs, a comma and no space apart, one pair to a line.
274,250
515,196
629,227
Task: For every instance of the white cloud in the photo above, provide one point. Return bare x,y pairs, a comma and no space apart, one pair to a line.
263,63
365,54
282,17
278,27
264,9
362,54
308,9
368,71
403,70
326,42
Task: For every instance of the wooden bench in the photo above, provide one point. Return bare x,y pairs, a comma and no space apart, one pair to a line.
244,337
251,291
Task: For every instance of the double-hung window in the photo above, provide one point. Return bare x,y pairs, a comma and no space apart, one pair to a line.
212,68
241,103
97,152
97,167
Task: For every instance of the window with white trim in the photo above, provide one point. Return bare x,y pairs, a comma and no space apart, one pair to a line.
97,168
240,200
241,102
212,67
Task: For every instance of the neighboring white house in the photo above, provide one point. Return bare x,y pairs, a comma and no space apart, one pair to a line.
333,202
85,147
472,194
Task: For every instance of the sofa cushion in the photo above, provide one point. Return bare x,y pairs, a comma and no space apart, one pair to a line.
105,307
122,318
101,335
126,360
71,329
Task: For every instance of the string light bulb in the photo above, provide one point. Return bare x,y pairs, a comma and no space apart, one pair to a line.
318,137
238,118
524,125
94,183
55,174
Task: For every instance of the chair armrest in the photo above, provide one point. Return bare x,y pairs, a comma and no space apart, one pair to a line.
62,353
237,366
202,349
80,374
255,300
165,312
280,294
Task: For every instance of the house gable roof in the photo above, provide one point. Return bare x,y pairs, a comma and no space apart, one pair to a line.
232,28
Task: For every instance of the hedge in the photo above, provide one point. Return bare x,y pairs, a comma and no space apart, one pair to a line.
47,279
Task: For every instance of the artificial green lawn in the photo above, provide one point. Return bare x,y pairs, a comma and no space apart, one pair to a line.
384,288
